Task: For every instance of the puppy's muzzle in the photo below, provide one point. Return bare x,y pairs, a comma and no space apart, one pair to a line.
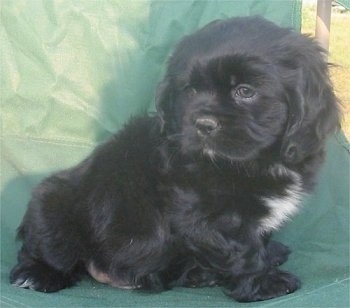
207,126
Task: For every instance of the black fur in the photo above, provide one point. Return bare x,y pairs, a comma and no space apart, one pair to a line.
190,196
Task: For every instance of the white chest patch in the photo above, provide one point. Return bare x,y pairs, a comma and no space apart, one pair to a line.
285,206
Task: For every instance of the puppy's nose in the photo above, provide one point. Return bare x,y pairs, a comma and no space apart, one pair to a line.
207,126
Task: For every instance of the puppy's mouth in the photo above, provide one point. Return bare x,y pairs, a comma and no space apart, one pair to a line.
208,130
210,148
209,152
217,147
233,156
208,136
214,154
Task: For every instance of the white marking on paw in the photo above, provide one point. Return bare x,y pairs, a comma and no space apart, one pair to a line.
28,283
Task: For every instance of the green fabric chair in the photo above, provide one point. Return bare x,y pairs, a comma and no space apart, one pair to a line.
72,72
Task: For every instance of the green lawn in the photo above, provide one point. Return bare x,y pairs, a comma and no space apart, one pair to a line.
339,48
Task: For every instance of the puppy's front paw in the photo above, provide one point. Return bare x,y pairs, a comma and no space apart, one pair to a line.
264,286
40,277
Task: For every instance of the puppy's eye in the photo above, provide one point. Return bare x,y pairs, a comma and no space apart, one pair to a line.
244,91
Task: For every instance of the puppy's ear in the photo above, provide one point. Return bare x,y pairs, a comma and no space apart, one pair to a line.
313,107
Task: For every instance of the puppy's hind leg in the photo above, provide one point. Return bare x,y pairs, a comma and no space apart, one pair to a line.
39,276
52,247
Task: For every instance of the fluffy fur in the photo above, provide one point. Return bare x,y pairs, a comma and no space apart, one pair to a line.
190,196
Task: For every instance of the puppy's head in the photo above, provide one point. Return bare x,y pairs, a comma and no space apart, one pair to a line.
244,86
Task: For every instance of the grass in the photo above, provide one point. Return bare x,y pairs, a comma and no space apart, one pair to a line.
339,47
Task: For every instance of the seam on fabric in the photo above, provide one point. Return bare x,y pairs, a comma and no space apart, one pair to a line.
11,302
55,141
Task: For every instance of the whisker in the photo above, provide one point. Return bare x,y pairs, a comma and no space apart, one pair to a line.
171,158
175,136
213,160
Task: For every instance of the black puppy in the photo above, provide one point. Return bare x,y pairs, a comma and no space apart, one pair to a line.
190,196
